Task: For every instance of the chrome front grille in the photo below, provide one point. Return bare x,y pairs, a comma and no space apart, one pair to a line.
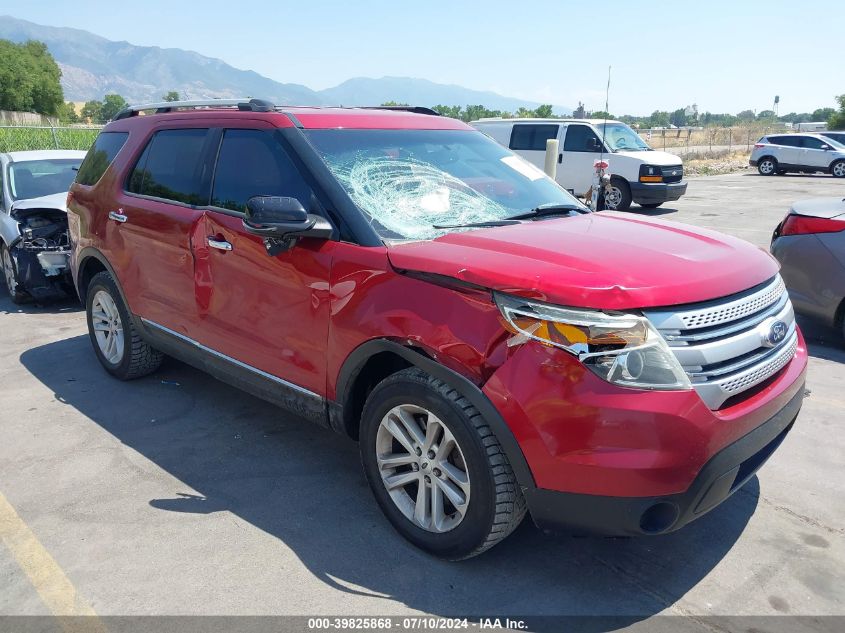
732,344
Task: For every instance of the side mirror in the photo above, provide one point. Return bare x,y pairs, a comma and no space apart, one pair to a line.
825,147
280,218
593,144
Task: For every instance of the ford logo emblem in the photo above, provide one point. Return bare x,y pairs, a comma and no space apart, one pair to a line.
773,333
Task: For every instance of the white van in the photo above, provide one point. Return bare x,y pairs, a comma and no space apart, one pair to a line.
638,173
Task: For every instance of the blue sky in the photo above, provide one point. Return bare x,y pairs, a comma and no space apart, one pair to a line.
724,56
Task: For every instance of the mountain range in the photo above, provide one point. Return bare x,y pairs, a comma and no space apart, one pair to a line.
93,66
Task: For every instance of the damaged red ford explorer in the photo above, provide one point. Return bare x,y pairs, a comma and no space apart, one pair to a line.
396,276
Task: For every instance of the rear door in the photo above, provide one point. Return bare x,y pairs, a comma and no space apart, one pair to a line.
529,140
154,221
581,148
270,313
787,149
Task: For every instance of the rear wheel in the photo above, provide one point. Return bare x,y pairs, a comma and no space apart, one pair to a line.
767,166
117,344
617,195
10,276
838,169
435,467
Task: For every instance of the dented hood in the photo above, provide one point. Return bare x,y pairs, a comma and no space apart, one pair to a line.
56,201
606,260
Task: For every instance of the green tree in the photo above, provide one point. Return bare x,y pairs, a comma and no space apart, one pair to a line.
766,114
29,78
659,118
92,110
112,104
455,112
601,114
746,115
837,119
823,114
544,111
395,103
171,96
678,118
67,113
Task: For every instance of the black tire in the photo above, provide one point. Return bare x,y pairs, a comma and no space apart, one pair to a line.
837,169
17,296
496,505
767,166
624,195
650,205
138,358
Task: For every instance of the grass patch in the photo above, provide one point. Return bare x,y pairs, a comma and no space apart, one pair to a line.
19,139
715,163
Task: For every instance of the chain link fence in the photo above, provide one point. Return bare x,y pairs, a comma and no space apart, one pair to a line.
17,138
716,140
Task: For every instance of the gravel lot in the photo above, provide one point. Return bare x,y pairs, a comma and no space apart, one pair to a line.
176,494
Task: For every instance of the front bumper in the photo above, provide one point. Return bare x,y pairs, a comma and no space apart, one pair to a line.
725,473
655,193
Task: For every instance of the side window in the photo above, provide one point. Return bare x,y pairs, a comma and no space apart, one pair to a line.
810,142
580,138
788,141
532,136
252,163
100,156
170,167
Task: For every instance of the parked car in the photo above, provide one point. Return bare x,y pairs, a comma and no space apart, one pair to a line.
807,153
34,247
638,173
402,279
838,136
810,245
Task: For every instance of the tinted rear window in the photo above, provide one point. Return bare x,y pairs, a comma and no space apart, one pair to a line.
532,136
100,156
170,167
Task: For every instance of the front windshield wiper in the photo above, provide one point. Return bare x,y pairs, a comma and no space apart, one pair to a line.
486,223
548,209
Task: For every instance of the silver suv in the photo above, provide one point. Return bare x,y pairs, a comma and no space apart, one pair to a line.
781,153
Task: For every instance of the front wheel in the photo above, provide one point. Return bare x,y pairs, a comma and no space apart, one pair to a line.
617,195
838,169
117,344
435,467
10,276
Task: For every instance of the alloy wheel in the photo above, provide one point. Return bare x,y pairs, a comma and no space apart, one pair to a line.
423,468
766,167
9,272
108,327
839,169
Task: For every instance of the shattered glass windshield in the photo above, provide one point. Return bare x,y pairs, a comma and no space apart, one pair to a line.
620,138
408,181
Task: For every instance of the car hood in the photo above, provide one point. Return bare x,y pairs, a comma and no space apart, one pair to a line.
606,260
653,157
820,207
53,201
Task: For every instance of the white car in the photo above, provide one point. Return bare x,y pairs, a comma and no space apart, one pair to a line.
806,153
638,173
34,248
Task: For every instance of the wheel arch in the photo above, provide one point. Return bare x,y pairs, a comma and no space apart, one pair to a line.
91,261
376,359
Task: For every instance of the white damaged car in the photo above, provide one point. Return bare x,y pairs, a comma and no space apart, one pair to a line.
34,247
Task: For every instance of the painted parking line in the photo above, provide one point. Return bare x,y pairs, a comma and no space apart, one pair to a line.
53,586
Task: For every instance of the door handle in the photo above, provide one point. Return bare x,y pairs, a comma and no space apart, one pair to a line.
117,216
220,245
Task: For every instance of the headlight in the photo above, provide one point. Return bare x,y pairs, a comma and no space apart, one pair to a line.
651,173
621,348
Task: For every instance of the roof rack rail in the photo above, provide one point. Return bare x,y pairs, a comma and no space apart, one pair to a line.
251,105
414,109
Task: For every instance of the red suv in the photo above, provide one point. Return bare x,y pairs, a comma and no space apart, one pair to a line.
402,279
